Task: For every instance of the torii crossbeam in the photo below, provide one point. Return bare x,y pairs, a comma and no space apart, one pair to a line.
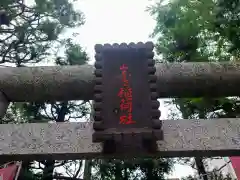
213,137
74,140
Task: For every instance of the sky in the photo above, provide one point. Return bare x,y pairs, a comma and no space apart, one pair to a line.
109,21
116,21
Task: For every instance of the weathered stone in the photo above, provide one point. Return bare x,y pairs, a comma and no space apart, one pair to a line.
77,82
74,140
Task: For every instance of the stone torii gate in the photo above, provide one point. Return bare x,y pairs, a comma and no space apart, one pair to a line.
212,137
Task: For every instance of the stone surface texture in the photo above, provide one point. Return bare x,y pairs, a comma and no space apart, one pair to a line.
74,140
77,82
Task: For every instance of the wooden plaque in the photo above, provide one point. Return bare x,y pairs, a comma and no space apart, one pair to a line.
125,101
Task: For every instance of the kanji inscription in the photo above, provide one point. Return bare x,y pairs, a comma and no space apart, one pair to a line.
125,93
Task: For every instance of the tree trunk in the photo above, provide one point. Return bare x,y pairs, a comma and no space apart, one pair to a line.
88,163
125,174
24,170
87,170
49,165
199,160
48,170
200,166
77,82
3,105
118,171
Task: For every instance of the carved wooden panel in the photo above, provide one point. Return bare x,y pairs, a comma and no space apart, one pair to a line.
125,101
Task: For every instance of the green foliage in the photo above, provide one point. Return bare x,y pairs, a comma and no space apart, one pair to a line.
185,31
34,36
135,169
193,31
212,176
73,54
34,29
198,31
227,23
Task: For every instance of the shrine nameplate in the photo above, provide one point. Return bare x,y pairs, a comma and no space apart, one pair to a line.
125,102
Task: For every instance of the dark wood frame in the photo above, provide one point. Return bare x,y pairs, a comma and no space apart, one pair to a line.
129,138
